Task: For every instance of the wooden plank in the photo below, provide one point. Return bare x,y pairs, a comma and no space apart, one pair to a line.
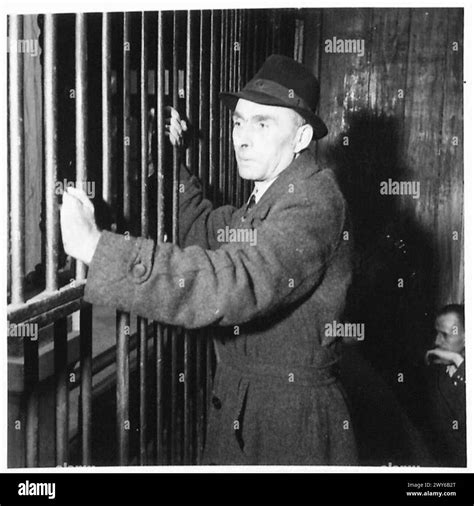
390,41
450,197
424,108
345,76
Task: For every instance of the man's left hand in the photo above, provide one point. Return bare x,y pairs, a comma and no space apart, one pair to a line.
78,228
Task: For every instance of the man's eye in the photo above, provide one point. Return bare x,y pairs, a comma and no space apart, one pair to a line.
262,124
236,123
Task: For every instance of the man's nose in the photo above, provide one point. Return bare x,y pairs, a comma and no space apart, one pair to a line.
438,340
242,137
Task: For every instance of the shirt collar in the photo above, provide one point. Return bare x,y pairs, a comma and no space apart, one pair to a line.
261,187
304,162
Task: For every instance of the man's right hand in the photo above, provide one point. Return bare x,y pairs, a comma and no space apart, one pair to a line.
174,126
446,357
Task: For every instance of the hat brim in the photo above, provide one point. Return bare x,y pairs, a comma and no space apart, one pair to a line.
230,99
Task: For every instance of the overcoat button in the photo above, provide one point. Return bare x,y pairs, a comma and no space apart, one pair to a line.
139,270
216,402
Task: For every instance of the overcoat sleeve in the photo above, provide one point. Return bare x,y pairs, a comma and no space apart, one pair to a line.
195,287
198,221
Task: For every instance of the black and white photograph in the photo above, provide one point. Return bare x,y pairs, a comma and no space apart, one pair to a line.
235,237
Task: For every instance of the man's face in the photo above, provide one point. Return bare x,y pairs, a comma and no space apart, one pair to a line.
449,333
264,138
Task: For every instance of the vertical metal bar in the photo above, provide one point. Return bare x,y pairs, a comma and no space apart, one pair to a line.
296,39
31,378
86,383
86,337
213,106
199,398
60,326
223,169
50,147
160,137
160,129
190,157
237,78
204,84
126,119
81,178
175,433
245,69
205,342
17,160
142,323
106,67
176,42
230,86
213,117
123,319
81,113
62,391
244,65
189,80
209,356
123,423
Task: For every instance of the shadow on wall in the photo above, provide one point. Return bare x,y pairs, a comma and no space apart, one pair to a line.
383,375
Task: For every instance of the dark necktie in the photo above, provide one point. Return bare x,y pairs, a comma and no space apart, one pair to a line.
252,201
249,206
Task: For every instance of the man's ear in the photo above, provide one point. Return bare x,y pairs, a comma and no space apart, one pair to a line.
304,136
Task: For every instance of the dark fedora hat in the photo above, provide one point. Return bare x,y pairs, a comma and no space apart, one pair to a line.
283,82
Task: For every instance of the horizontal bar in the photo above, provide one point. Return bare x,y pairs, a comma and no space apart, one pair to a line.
44,303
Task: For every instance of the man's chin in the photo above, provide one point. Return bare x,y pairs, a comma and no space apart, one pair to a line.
247,173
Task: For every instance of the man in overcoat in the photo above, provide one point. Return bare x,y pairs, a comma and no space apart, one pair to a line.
272,275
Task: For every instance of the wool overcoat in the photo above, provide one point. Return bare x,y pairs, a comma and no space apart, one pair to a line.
448,414
272,280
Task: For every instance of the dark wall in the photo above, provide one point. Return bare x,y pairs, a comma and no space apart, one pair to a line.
394,112
400,105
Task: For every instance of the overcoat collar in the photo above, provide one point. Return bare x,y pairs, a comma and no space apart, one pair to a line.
302,166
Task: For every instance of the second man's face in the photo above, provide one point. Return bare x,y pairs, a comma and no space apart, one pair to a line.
264,139
449,333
